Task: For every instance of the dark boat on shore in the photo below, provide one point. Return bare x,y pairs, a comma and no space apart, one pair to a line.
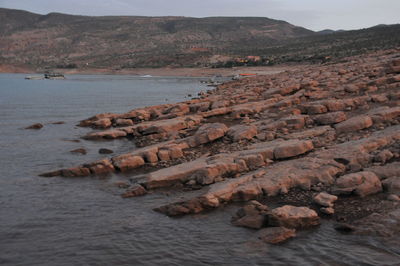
53,76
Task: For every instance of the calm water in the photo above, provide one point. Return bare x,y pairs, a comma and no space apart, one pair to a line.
58,221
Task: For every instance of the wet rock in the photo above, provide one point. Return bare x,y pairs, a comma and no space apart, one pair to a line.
80,150
124,122
353,124
252,215
51,174
75,172
105,151
361,183
293,217
276,235
101,167
330,118
109,134
35,126
102,123
344,227
135,191
122,184
325,199
240,132
92,121
127,162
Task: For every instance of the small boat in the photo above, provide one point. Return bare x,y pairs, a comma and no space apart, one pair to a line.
34,77
53,76
146,76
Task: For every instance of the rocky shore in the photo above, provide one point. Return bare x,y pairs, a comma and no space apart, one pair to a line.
297,147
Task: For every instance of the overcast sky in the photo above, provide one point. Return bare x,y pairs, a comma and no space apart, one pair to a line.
312,14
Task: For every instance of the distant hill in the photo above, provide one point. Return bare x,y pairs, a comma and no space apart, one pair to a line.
122,42
55,40
334,46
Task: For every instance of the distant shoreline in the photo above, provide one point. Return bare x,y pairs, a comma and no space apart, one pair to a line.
183,72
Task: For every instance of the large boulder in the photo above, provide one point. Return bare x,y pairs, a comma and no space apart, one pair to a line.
362,184
293,217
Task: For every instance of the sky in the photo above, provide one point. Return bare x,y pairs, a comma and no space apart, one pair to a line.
311,14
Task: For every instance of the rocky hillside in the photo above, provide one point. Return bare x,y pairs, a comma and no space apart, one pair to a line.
124,42
326,138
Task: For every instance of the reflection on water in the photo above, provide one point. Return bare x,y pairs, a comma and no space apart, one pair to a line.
59,221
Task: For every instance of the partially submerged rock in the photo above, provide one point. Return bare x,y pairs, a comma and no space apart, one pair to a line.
252,215
276,235
80,151
35,126
135,191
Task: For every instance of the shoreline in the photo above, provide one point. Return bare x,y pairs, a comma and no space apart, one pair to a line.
161,72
